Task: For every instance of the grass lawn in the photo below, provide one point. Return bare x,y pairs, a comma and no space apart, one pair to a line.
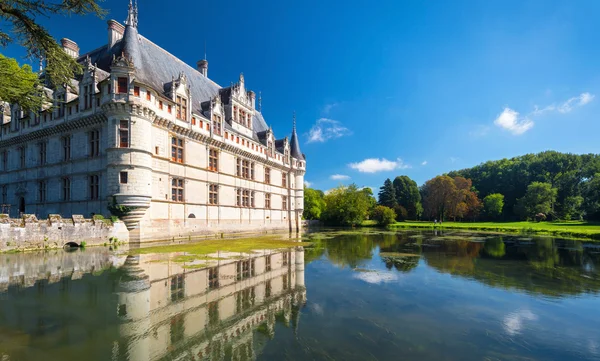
559,229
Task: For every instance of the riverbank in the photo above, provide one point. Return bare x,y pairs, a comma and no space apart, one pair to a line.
584,230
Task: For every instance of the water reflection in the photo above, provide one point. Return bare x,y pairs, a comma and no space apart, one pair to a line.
100,306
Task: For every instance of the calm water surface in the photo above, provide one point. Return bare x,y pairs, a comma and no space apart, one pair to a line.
372,295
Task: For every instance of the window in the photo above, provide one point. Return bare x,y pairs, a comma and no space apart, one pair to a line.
213,278
244,198
177,190
22,157
160,105
213,194
284,180
181,108
245,269
66,143
216,119
94,187
122,85
88,93
284,203
177,287
136,91
268,263
148,95
268,289
177,150
252,170
66,189
4,160
238,201
42,146
213,160
124,134
238,168
42,191
268,200
267,175
94,138
61,105
123,177
193,121
245,169
252,199
169,108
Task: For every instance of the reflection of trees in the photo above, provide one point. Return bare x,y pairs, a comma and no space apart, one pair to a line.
494,247
399,262
456,256
350,250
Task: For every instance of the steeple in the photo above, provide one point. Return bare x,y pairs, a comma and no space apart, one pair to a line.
294,143
132,15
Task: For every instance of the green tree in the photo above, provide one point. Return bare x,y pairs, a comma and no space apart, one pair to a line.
384,215
345,206
591,198
493,205
314,204
372,201
408,196
387,194
538,198
21,18
19,84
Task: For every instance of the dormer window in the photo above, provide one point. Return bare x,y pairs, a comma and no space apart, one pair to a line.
88,93
181,108
241,116
136,91
217,128
122,85
61,105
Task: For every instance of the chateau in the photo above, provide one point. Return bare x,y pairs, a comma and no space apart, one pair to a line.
146,134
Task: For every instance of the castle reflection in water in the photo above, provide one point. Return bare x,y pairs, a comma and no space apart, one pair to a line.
96,305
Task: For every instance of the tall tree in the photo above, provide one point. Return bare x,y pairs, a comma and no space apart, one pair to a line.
18,84
493,205
22,15
314,204
345,206
538,198
408,195
591,197
387,195
438,196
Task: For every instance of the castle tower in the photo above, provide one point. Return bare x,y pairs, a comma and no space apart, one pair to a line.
299,172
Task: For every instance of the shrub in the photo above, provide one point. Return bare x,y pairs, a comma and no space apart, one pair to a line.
384,215
540,217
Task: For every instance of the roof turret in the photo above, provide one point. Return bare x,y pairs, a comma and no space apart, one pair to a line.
295,144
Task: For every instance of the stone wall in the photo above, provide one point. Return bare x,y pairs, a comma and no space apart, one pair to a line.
29,233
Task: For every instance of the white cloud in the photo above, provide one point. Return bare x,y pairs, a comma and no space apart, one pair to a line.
424,162
510,120
578,101
513,322
376,277
373,165
327,108
325,129
307,184
339,177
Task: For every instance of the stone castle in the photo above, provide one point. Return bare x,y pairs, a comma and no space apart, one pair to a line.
154,140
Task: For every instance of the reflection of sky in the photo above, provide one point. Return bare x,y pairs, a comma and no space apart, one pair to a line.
376,277
513,322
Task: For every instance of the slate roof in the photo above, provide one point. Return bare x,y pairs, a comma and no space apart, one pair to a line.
157,68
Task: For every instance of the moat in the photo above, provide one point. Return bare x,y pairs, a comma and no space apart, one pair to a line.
348,295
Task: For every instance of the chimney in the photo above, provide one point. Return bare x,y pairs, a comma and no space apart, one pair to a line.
252,96
70,47
115,32
203,67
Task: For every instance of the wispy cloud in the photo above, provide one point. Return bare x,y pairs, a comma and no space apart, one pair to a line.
479,131
328,107
510,120
513,122
339,177
325,129
374,165
424,162
307,184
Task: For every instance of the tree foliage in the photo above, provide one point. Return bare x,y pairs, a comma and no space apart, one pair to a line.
493,205
345,206
591,197
19,84
384,215
539,199
445,197
387,194
314,204
21,16
569,174
408,196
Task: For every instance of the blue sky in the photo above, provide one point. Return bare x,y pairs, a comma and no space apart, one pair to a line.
392,87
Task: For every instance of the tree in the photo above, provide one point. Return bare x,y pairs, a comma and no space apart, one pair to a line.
387,194
384,215
493,204
538,198
437,194
39,44
19,84
408,196
372,201
345,206
591,198
313,203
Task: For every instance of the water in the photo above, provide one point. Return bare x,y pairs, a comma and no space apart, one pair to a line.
350,296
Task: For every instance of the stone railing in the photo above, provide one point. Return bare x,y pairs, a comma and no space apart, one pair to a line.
29,233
